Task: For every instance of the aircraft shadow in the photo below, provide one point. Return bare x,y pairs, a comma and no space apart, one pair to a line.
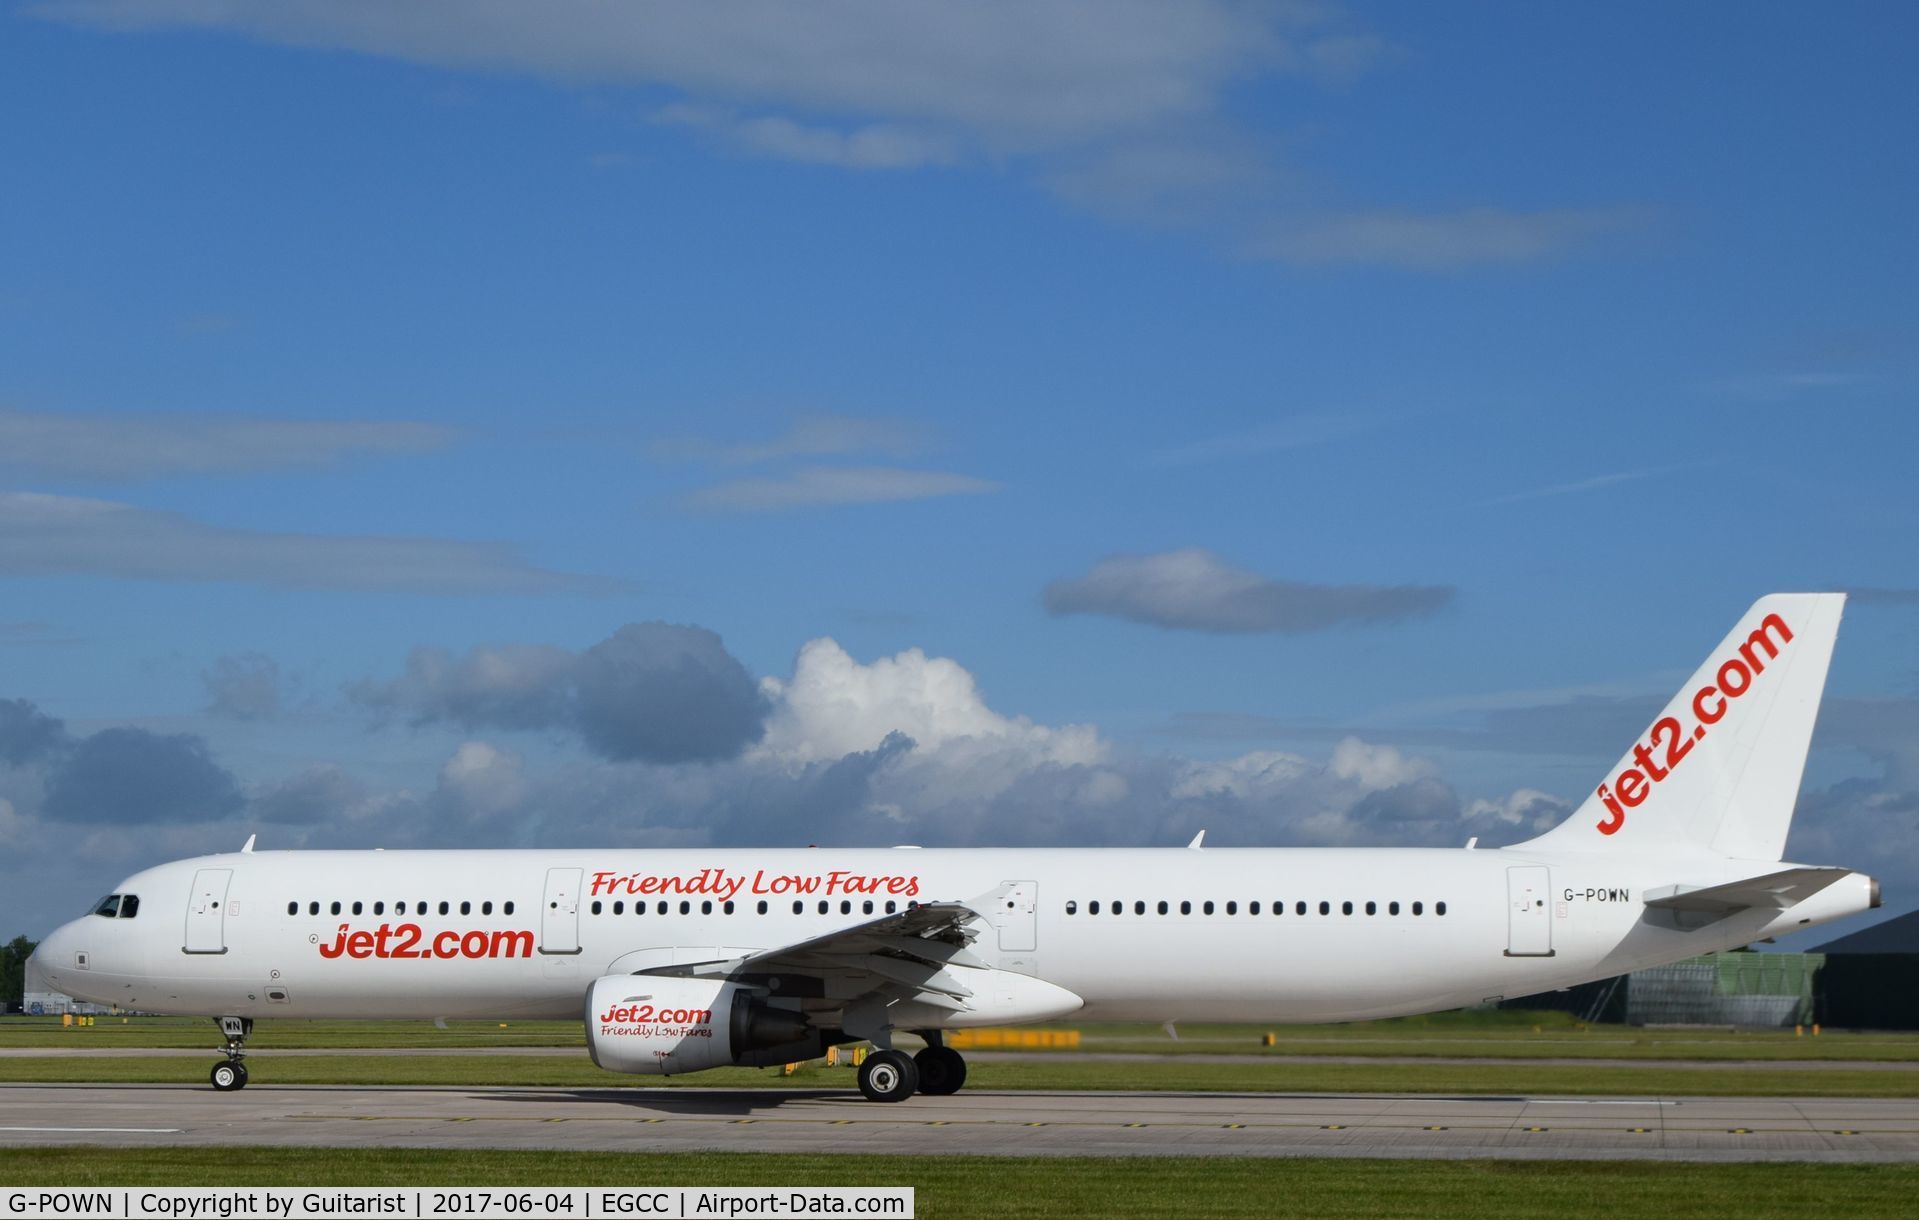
691,1102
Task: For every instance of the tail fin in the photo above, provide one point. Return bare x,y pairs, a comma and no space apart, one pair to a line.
1719,770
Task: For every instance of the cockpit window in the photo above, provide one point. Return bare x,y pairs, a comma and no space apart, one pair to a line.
129,906
108,906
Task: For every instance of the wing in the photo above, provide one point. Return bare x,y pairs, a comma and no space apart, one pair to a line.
906,955
914,969
1773,891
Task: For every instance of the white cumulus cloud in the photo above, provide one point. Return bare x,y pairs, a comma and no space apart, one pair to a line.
834,706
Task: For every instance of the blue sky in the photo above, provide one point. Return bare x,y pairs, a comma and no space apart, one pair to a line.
1496,356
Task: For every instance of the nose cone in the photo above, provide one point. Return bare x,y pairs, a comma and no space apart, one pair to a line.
61,960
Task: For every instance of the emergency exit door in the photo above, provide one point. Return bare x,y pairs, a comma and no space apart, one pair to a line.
1017,916
206,911
1529,922
560,912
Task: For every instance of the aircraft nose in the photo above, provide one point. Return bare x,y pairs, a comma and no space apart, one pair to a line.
59,955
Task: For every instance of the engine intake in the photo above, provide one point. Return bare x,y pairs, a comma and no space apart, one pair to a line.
658,1026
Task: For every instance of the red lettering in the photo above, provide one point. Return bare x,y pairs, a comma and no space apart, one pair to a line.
360,944
1612,824
1699,705
1735,666
1644,756
337,947
409,934
1760,638
1632,788
1678,745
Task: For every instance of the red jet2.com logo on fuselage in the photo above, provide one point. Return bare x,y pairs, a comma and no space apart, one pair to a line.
1669,742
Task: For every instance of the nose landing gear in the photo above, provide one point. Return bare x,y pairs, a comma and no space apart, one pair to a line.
231,1073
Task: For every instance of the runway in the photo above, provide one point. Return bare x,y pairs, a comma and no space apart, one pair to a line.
980,1123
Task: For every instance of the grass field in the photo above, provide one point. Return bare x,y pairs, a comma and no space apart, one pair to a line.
1172,1074
1038,1187
1497,1034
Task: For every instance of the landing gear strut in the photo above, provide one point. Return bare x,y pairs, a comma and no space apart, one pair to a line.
231,1073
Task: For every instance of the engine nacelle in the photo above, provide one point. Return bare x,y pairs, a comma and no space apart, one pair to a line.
659,1026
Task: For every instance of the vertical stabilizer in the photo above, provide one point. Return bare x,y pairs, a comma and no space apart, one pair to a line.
1719,770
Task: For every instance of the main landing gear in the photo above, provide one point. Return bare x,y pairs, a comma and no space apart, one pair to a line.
890,1075
231,1073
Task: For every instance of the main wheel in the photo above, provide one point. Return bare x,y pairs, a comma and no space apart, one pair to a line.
942,1070
888,1076
228,1076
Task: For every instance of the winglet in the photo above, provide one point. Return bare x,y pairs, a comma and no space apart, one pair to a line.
1198,839
246,849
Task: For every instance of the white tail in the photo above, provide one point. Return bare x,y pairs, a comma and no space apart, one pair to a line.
1719,770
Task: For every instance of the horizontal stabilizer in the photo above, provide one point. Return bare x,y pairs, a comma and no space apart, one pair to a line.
1773,891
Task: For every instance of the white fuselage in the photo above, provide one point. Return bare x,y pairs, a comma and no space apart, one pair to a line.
499,934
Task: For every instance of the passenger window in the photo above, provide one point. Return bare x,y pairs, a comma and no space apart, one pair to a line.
706,907
1208,908
1392,908
379,908
1185,908
1299,908
508,908
596,906
1162,906
866,908
1232,908
486,908
1252,908
846,906
762,906
1139,907
466,908
1345,908
1072,907
686,908
1092,908
336,908
444,908
357,908
619,907
293,908
662,907
1325,908
1439,908
1372,908
824,907
1419,908
799,908
891,906
313,908
727,906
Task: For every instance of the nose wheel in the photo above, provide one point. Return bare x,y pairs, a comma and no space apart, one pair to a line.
231,1073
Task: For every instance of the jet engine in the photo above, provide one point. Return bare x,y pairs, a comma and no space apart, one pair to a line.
654,1025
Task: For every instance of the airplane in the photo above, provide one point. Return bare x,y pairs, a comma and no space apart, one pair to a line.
683,960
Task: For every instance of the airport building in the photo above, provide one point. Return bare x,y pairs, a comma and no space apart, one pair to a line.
1867,980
